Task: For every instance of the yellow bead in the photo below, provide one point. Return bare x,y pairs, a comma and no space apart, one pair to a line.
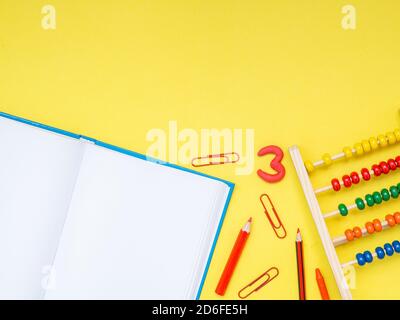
382,140
309,166
348,152
366,146
327,159
373,142
397,134
391,138
359,149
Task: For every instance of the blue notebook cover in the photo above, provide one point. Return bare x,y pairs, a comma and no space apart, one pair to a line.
143,157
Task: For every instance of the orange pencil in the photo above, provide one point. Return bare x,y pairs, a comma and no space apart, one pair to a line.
321,285
233,258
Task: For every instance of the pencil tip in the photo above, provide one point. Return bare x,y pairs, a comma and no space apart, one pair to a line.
298,235
318,273
250,219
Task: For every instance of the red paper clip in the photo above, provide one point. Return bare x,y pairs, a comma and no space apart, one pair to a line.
279,229
223,158
271,274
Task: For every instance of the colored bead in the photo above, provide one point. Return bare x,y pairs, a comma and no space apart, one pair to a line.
343,209
397,159
327,159
365,174
397,217
396,246
382,140
391,138
380,253
368,256
366,146
394,192
388,249
370,200
355,178
370,227
398,186
360,259
392,164
373,142
377,225
347,181
336,184
357,232
377,170
390,220
360,204
348,152
384,167
349,235
359,149
397,134
309,166
385,194
377,197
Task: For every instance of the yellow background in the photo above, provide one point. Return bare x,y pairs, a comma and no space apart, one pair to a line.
113,70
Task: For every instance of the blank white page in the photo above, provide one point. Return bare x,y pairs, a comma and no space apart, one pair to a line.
136,230
38,170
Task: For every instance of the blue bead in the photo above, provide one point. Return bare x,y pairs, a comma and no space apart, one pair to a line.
368,256
360,259
396,246
380,253
389,249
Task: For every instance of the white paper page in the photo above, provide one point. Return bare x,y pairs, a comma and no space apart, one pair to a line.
136,230
38,169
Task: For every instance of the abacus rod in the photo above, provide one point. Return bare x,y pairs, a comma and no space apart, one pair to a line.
338,156
336,212
329,187
341,155
353,262
340,240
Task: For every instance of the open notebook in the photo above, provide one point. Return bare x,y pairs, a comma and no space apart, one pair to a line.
80,219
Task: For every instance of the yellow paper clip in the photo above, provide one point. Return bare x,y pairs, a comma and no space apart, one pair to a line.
214,159
271,274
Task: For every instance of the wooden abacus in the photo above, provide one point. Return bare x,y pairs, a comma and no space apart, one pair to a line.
304,169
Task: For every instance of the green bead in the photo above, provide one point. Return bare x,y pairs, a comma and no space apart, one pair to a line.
360,204
377,197
343,210
385,194
394,192
370,200
398,186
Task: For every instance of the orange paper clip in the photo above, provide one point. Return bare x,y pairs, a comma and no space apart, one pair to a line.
209,160
278,228
271,274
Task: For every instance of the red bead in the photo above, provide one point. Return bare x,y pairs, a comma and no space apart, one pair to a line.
397,161
377,225
346,181
370,227
357,232
377,170
349,235
384,167
336,184
392,164
365,174
355,178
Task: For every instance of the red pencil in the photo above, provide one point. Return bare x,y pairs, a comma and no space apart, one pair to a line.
300,266
233,258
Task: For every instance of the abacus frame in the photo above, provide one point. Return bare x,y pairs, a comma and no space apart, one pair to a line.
319,221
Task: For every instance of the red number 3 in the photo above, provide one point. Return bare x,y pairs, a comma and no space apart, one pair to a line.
275,164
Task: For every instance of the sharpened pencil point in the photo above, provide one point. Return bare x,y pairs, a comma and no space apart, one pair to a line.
250,220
